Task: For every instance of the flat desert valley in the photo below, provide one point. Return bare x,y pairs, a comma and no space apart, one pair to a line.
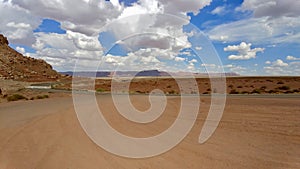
257,131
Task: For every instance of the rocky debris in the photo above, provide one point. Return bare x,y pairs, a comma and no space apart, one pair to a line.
15,66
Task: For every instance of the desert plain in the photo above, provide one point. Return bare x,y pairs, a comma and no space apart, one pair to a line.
257,130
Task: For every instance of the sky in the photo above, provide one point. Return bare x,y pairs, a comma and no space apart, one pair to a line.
249,37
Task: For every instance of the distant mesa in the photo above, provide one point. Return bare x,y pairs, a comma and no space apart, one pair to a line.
144,73
15,66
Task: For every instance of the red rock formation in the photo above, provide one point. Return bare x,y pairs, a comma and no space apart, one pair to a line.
14,65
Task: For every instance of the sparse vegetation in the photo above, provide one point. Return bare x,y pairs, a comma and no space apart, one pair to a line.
233,91
263,88
230,86
280,82
193,92
100,90
273,91
244,92
284,88
16,97
240,87
296,91
256,91
172,92
42,97
288,92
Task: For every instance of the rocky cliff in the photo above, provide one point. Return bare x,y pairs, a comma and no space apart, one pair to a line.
14,65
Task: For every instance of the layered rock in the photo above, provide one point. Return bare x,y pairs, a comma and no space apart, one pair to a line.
13,65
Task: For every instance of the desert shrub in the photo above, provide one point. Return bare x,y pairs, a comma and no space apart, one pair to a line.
42,97
172,92
231,86
256,91
296,91
16,97
208,90
280,82
252,86
263,87
240,87
100,90
288,92
205,93
244,92
233,91
268,80
284,88
273,91
169,86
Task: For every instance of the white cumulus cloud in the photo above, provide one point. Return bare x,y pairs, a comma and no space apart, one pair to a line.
274,21
84,21
279,63
292,58
244,51
21,50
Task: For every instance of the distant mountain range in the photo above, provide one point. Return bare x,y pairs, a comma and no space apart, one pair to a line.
145,73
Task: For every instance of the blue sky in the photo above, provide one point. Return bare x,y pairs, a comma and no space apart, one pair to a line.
250,37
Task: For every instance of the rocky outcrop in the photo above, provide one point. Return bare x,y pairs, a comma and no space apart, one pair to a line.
14,65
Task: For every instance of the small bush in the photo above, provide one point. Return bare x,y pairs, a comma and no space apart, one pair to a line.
263,88
16,97
42,97
231,86
169,86
273,91
284,88
240,87
172,92
256,91
244,92
205,93
269,80
100,90
296,91
233,92
280,82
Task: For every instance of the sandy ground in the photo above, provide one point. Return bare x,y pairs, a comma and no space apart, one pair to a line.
253,133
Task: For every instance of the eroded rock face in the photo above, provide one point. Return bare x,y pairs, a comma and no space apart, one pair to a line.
14,65
3,40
